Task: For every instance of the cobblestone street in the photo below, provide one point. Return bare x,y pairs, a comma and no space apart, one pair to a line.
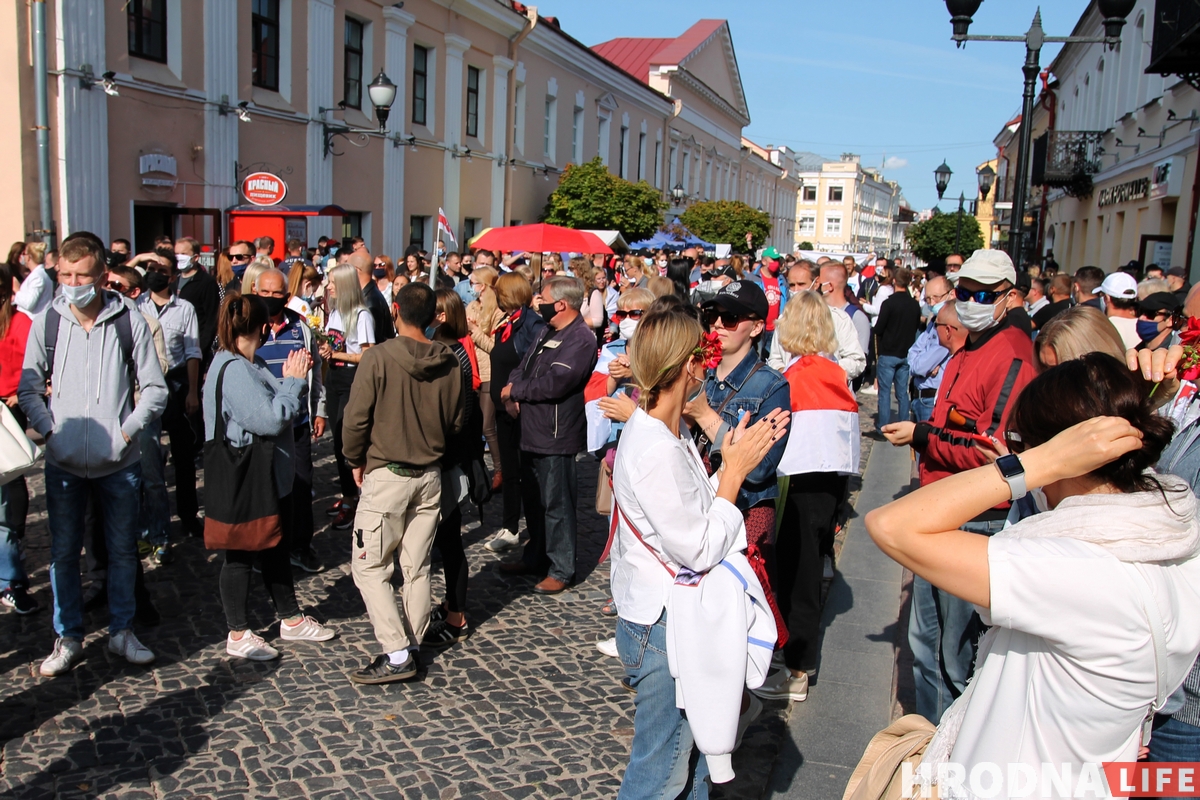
527,707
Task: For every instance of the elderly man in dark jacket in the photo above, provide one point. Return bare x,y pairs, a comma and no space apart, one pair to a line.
546,393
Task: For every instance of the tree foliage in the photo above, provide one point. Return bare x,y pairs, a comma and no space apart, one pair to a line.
727,222
590,197
805,246
934,238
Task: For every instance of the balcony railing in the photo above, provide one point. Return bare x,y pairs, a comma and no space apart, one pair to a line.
1067,160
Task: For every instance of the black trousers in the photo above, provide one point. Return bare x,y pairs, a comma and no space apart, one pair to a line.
809,515
182,432
448,540
276,565
508,434
302,484
337,394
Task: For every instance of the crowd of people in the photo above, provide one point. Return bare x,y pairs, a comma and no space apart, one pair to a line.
719,397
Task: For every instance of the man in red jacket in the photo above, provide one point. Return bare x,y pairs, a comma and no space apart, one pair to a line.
978,388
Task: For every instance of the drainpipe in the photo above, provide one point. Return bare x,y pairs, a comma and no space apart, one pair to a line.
531,21
1191,239
42,126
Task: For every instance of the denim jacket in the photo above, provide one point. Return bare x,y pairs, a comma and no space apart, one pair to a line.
759,394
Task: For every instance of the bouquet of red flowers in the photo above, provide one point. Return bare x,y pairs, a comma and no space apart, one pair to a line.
709,349
1189,364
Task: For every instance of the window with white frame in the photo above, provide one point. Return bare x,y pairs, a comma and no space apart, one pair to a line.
623,153
420,90
833,224
549,124
641,155
577,135
602,145
808,223
519,118
473,101
658,165
809,194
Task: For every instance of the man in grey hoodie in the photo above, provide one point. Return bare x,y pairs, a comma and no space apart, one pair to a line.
92,352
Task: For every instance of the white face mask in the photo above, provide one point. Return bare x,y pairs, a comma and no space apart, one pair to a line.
80,296
183,261
626,327
978,317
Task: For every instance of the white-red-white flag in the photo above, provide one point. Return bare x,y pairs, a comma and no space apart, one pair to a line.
444,226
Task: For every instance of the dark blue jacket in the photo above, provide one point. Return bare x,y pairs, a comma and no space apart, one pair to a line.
549,386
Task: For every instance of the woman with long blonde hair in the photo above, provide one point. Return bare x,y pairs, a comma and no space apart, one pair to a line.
256,268
482,316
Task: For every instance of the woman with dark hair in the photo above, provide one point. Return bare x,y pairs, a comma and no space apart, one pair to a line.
16,260
14,496
1090,601
448,622
253,404
679,270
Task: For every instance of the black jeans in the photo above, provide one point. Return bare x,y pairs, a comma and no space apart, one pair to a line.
548,489
178,426
448,541
302,484
337,394
508,434
276,565
809,514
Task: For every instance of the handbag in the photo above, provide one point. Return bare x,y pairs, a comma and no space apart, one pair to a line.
241,502
604,495
18,454
879,771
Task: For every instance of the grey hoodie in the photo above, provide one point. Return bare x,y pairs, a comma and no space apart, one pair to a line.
92,402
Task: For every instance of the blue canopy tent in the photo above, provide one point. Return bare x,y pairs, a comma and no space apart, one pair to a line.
668,240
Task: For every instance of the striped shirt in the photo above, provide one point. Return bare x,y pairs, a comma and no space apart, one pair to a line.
277,348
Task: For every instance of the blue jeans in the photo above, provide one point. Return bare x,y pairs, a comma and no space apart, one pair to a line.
549,489
12,565
892,370
118,498
1173,740
156,511
663,762
922,408
943,632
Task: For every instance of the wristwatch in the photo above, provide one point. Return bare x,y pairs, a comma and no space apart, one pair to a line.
1013,473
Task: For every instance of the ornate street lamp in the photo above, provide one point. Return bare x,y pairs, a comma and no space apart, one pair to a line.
382,93
987,177
679,194
942,176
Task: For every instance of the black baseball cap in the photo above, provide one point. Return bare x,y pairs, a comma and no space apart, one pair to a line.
744,298
1158,302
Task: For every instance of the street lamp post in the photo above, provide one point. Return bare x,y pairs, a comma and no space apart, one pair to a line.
961,11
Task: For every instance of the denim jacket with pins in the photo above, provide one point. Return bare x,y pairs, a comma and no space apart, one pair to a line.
758,394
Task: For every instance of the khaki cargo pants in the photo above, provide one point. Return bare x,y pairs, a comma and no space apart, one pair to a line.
396,512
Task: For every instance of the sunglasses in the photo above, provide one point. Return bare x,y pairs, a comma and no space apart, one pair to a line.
380,265
633,313
983,296
729,320
117,286
239,256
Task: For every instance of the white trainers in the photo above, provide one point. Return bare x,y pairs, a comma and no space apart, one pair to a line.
608,647
827,568
503,540
748,716
250,646
308,630
782,685
124,643
66,654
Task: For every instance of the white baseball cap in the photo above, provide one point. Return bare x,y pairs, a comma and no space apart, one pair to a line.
1118,284
987,267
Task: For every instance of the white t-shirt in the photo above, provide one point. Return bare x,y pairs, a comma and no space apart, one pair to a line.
363,333
1071,672
1127,327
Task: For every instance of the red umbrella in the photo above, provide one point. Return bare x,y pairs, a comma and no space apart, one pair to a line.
541,238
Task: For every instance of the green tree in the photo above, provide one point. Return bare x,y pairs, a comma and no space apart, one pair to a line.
805,246
590,197
727,222
935,237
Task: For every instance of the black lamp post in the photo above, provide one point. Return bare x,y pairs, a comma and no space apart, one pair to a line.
987,177
382,93
679,194
942,176
961,12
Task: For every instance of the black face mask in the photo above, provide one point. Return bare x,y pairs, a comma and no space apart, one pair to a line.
547,311
275,305
156,281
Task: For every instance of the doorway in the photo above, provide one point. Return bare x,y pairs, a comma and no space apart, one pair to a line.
150,222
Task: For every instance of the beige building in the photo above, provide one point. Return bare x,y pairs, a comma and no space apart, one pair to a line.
1118,165
158,110
846,207
985,211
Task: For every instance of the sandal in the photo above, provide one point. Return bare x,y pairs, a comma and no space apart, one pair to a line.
609,609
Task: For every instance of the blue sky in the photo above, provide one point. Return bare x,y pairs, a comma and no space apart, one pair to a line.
874,77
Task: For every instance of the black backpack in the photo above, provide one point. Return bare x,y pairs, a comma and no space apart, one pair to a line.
124,337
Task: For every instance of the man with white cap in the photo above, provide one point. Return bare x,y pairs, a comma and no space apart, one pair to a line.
1119,293
979,384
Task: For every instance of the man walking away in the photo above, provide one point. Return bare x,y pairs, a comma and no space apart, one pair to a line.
405,401
90,423
896,330
546,394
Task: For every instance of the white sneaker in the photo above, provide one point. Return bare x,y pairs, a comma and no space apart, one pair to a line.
748,716
66,654
869,390
827,568
503,540
608,647
308,630
782,685
251,646
124,643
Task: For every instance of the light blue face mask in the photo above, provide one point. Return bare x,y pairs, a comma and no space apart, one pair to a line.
80,296
430,331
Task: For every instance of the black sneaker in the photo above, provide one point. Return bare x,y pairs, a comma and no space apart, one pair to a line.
18,600
437,613
307,562
442,633
382,671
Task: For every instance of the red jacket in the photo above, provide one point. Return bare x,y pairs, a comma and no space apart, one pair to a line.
12,352
981,381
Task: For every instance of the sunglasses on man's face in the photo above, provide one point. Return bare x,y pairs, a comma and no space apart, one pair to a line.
239,256
117,286
633,313
983,296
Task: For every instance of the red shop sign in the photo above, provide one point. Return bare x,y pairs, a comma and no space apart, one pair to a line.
264,189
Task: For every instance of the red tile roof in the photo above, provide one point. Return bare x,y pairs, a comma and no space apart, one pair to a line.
635,55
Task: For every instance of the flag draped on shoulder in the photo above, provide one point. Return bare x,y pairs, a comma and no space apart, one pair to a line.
824,434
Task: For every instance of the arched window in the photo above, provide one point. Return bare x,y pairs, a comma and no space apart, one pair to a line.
1142,61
